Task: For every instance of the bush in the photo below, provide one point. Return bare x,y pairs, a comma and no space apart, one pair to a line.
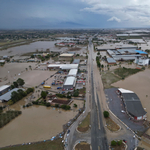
35,102
119,142
106,114
66,107
75,105
48,104
56,105
113,143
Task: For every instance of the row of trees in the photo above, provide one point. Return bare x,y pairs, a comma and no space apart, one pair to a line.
18,95
19,82
7,117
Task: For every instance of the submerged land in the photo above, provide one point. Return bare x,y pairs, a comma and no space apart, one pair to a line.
75,76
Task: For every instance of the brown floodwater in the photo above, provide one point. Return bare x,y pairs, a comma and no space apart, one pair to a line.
36,123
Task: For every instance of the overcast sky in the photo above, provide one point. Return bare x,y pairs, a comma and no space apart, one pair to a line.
45,14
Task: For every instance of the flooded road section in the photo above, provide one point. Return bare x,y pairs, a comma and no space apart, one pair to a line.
36,123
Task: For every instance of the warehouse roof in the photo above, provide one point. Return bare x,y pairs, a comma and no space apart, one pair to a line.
70,81
3,87
76,61
133,104
140,52
73,72
111,60
127,51
124,90
125,57
66,55
65,66
7,96
2,61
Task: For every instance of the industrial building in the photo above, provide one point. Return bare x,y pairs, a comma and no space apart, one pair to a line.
76,61
125,57
63,66
4,89
73,72
66,55
111,61
69,83
142,61
7,96
132,104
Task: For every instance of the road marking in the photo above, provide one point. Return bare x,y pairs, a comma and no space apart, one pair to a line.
98,120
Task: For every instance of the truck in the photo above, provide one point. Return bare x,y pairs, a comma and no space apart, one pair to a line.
47,86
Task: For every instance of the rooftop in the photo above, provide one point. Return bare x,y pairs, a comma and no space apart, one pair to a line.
73,72
7,96
69,81
66,55
111,60
76,61
3,87
65,66
133,104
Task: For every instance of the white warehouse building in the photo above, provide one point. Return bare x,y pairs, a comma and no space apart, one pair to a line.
73,72
70,83
63,66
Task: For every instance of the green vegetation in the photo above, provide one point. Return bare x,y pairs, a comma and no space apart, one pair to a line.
16,96
75,105
47,145
76,93
115,143
84,126
61,95
7,117
65,107
98,62
125,72
106,114
43,94
20,82
108,78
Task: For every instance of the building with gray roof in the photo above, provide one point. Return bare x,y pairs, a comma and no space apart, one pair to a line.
133,105
125,57
111,61
7,96
76,61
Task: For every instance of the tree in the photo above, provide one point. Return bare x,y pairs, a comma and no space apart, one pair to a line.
56,105
106,114
113,143
98,53
75,105
32,56
43,94
119,142
20,82
15,84
14,96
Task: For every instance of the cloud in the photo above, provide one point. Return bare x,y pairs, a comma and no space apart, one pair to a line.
114,19
130,11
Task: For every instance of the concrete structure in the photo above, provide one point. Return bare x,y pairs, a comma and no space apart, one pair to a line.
132,104
142,61
76,61
111,61
4,89
73,72
63,66
66,55
126,57
7,96
70,83
2,61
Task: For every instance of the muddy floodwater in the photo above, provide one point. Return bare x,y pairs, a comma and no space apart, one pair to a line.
36,123
32,47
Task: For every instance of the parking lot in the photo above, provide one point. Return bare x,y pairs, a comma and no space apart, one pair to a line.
116,105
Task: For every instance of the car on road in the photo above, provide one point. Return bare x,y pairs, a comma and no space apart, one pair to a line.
122,111
68,132
125,141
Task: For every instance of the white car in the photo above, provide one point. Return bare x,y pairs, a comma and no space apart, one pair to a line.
122,111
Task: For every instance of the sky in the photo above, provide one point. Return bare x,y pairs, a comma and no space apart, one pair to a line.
54,14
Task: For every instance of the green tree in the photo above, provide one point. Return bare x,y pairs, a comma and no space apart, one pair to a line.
98,53
20,82
43,94
15,84
119,142
113,143
56,105
106,114
75,105
32,56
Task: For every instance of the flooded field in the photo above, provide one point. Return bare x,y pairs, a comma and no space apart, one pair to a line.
40,45
138,83
35,123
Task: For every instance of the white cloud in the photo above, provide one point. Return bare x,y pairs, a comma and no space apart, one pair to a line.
131,11
114,19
